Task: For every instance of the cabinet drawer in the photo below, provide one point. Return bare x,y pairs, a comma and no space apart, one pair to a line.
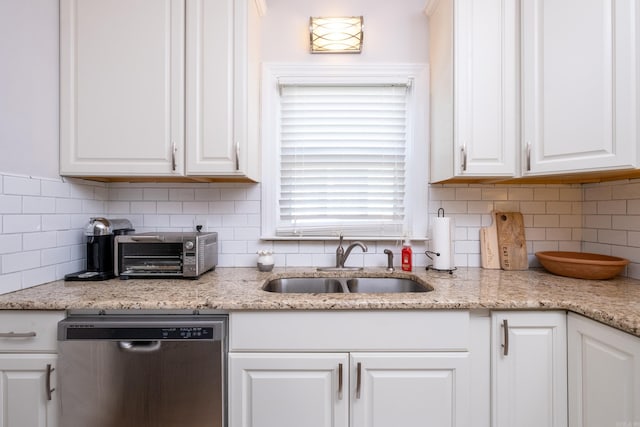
349,331
34,330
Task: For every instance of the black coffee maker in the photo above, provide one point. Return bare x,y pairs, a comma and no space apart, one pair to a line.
100,234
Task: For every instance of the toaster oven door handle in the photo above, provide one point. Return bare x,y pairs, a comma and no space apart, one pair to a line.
147,238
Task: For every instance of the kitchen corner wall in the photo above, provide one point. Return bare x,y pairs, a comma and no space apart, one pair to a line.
42,222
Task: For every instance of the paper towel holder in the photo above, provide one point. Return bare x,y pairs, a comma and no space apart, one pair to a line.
430,253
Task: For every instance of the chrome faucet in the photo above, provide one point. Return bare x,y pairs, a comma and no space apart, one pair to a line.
342,255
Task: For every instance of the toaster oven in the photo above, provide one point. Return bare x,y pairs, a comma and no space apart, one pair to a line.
167,254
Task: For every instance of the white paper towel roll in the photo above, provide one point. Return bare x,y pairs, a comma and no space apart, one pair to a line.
442,243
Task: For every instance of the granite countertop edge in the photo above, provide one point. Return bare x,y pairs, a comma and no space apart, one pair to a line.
614,302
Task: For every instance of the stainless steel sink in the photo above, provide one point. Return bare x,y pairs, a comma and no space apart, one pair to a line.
304,285
354,285
375,285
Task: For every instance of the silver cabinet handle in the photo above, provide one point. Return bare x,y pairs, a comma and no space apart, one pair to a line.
528,157
505,331
358,380
173,156
463,153
47,385
17,334
148,238
139,346
340,381
237,156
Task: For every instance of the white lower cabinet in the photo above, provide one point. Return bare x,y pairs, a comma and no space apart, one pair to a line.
529,378
604,375
28,356
25,380
381,380
288,389
409,389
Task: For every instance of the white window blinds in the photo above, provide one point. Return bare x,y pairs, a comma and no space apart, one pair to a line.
342,156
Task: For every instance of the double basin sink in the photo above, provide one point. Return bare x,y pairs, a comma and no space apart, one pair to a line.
356,285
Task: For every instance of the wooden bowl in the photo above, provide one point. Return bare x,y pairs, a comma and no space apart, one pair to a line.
581,265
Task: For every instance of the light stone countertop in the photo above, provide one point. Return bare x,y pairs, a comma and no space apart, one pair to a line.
613,302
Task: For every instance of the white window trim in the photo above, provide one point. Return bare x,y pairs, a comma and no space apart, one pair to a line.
417,166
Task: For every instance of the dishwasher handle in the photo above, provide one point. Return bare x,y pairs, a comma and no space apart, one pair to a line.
139,346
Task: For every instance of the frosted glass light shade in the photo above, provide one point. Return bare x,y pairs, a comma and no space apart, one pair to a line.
336,35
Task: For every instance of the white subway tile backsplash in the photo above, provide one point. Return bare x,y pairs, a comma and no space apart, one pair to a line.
546,221
169,207
207,194
627,222
519,193
597,192
58,189
157,194
55,256
143,207
612,207
222,207
602,218
182,194
56,222
626,191
38,205
497,193
20,261
547,194
195,207
32,241
10,204
10,243
612,237
21,185
21,223
38,276
10,282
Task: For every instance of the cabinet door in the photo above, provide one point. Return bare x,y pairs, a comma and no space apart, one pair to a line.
580,85
604,375
121,87
288,390
529,386
24,400
474,88
410,389
222,93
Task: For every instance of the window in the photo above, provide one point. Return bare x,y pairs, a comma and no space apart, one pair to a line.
344,151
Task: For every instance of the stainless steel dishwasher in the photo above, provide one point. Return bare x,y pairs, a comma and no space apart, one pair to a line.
142,371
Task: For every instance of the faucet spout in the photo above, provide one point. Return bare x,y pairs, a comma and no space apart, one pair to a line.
348,251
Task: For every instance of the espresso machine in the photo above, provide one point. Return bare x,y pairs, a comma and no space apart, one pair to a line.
100,234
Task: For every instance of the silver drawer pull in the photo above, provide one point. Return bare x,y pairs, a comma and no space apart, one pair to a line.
358,379
505,330
49,390
340,381
17,334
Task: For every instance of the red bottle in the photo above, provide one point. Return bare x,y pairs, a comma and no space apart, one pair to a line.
407,256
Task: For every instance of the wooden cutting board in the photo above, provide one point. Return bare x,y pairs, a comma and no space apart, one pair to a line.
512,245
489,255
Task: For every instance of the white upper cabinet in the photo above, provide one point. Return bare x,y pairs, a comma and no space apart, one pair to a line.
222,88
542,88
474,88
121,87
580,85
158,88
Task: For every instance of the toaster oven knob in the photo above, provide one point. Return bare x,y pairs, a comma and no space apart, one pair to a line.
188,245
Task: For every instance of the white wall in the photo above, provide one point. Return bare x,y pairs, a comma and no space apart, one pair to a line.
29,87
395,31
